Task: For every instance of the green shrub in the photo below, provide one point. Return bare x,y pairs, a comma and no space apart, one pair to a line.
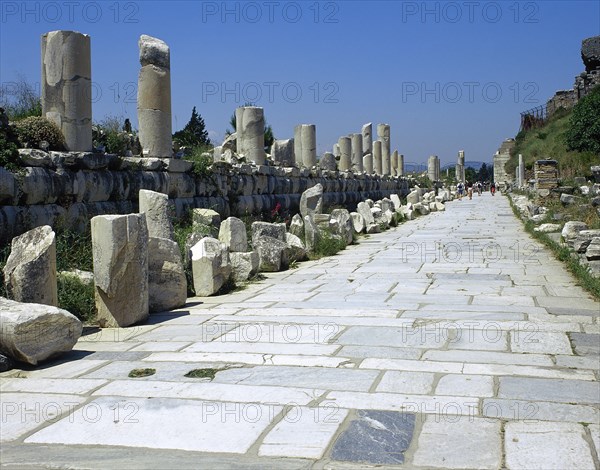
74,251
32,130
108,134
201,163
327,245
9,155
583,133
182,229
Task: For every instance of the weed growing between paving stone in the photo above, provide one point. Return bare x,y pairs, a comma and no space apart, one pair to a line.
562,253
202,373
136,373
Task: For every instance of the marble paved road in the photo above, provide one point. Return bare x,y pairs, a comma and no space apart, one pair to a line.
453,341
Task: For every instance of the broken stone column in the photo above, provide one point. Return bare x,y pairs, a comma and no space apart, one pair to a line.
336,151
154,98
345,145
305,145
394,163
400,170
30,271
120,253
156,207
66,93
377,157
383,134
431,168
250,130
367,134
368,164
357,153
521,169
460,167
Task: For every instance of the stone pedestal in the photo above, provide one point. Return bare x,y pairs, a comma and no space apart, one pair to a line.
345,145
250,130
383,134
154,98
377,157
66,93
357,153
367,135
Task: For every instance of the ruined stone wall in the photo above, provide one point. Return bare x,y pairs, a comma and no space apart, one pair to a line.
65,190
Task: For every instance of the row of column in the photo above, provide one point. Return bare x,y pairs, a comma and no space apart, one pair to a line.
66,92
66,100
359,153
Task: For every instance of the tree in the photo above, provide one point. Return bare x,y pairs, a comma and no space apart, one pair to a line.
584,125
485,173
194,134
20,99
470,174
269,136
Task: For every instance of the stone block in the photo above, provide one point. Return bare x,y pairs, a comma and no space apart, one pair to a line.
211,266
244,265
167,285
120,252
30,271
156,207
232,233
35,332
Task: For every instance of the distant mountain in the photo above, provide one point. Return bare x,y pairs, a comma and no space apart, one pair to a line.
412,167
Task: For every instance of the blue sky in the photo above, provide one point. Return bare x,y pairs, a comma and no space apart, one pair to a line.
445,75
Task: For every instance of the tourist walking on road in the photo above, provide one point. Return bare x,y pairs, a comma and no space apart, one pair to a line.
470,190
493,188
460,189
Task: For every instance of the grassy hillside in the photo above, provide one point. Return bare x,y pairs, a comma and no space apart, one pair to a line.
549,141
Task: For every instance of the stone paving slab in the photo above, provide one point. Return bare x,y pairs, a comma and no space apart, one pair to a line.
461,443
495,355
539,445
183,425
